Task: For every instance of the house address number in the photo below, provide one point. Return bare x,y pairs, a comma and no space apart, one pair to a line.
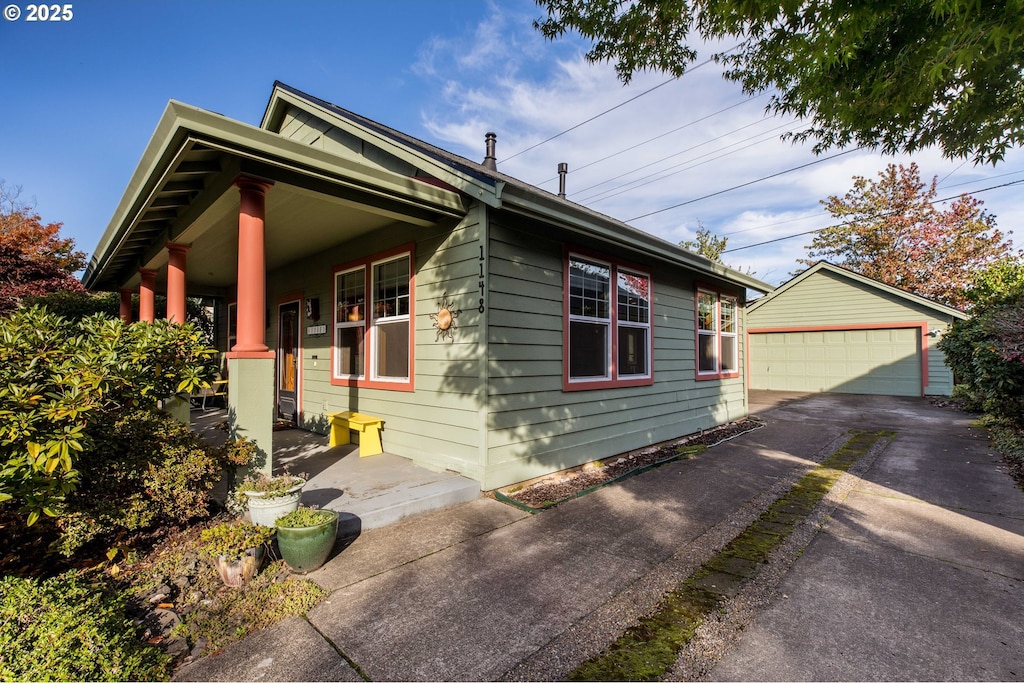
482,308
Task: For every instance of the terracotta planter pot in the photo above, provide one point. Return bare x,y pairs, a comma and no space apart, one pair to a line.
307,548
236,571
264,510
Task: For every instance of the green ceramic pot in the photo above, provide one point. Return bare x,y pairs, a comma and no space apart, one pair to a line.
307,548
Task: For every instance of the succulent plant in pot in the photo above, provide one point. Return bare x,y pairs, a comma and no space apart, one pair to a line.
237,549
268,498
306,537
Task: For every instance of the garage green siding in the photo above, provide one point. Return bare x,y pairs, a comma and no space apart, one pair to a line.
830,299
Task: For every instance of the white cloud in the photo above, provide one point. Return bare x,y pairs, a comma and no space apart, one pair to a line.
501,76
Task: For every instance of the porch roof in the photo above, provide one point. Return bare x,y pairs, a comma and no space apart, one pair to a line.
181,189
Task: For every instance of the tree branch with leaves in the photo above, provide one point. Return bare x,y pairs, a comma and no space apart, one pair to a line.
896,75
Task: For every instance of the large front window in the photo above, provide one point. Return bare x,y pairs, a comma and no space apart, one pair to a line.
391,319
717,334
609,335
372,322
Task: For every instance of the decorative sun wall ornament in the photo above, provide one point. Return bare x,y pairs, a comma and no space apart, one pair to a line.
444,319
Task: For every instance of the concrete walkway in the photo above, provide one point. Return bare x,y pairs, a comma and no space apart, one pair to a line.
918,574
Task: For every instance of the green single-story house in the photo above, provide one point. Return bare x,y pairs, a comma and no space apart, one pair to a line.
830,329
498,330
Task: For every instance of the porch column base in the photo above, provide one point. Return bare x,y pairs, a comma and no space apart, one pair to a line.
178,407
251,406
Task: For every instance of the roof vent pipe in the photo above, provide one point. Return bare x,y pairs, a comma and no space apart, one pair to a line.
490,161
563,169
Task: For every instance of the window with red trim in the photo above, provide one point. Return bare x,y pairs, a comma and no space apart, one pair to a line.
717,335
372,322
608,341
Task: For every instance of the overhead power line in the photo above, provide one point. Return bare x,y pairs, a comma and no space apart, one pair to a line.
809,232
670,156
656,137
746,184
621,104
814,216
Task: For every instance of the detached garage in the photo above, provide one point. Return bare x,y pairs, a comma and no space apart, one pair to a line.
830,329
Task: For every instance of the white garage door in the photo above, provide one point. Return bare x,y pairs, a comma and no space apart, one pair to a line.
886,362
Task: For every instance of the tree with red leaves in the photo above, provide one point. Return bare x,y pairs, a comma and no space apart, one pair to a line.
34,258
891,230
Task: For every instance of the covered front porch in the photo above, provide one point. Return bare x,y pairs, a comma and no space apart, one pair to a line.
217,206
369,492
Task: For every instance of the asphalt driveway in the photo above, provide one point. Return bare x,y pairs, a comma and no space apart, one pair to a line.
917,573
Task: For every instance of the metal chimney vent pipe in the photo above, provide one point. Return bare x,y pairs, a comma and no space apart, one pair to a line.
563,169
490,161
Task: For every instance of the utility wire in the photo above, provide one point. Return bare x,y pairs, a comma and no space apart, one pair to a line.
582,123
666,158
807,218
853,220
656,137
746,184
714,154
621,104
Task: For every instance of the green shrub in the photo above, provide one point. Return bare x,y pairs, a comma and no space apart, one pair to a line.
988,363
146,468
77,305
1008,439
64,383
303,517
232,539
66,629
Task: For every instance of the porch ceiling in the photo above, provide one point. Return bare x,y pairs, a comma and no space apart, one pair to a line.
299,223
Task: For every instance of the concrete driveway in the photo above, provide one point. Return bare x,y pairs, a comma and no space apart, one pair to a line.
917,573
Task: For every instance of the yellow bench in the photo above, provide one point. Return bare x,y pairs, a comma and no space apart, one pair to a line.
367,426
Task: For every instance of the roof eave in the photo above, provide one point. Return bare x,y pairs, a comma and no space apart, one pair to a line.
577,219
871,282
181,123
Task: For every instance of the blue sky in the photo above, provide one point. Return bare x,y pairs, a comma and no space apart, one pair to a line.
82,98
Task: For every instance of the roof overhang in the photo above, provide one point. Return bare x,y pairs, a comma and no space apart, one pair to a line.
191,163
616,234
935,306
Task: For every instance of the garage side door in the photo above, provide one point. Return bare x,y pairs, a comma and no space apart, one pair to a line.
886,362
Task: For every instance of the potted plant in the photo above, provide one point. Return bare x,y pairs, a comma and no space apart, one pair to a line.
268,498
237,548
306,536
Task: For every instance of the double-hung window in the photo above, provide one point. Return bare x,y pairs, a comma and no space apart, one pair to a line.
608,311
372,323
717,329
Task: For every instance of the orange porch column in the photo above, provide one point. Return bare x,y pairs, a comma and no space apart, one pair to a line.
125,310
252,273
176,282
147,306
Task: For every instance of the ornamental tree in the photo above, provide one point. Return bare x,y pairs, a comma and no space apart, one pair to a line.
34,259
707,244
890,230
901,76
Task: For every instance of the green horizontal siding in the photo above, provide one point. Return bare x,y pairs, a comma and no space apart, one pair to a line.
534,426
435,425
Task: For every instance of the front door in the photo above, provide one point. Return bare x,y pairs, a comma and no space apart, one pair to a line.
288,352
